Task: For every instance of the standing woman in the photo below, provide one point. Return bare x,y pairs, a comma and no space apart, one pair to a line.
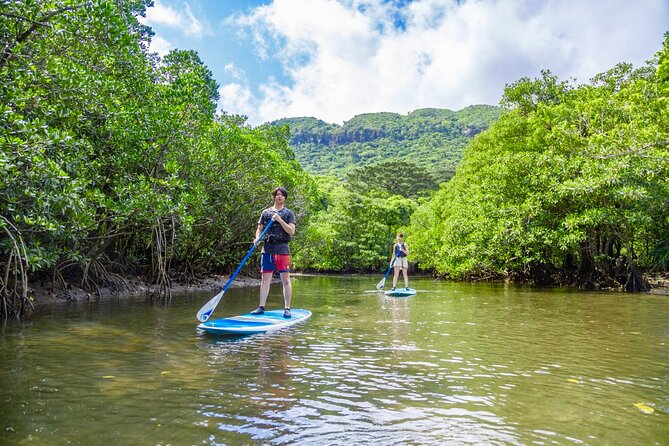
400,253
275,251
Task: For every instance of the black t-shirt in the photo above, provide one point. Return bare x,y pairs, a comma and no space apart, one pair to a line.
276,239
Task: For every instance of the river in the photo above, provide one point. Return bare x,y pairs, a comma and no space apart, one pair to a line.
478,364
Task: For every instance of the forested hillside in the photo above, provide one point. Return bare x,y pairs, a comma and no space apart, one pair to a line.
430,137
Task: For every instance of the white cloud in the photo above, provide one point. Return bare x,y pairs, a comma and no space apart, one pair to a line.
234,72
237,99
160,45
345,58
182,20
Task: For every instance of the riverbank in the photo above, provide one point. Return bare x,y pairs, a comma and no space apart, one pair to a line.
44,294
659,283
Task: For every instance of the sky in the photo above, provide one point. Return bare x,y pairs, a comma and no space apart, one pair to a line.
335,59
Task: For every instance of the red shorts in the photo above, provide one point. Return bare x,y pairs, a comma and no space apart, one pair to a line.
275,262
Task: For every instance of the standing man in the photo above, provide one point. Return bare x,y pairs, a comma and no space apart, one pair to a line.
400,253
275,251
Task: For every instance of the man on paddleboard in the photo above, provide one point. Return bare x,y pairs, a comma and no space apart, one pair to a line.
276,250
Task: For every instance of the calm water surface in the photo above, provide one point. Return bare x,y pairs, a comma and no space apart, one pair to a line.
455,364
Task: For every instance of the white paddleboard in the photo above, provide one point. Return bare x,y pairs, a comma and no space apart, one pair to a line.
400,292
254,323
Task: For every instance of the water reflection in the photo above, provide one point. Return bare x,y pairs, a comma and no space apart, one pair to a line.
261,389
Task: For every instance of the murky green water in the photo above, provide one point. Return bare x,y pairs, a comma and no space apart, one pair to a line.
455,364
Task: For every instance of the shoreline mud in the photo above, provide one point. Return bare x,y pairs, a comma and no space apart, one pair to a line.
45,294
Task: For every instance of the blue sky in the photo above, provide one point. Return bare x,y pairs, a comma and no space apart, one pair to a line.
334,59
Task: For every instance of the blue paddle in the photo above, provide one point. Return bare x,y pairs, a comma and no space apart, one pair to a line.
380,285
210,306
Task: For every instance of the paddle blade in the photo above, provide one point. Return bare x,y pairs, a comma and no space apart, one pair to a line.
209,307
379,286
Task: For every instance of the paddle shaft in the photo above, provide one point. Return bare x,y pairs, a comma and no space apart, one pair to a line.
382,283
210,306
390,267
246,257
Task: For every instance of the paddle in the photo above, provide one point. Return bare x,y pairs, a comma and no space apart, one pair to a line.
210,306
379,286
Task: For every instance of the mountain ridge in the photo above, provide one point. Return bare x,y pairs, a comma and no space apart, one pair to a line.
433,138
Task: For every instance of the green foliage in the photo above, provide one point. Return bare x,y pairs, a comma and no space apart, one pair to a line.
230,178
526,95
392,178
62,72
353,230
574,178
114,161
660,255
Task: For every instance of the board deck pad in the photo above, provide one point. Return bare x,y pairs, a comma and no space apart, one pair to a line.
400,292
254,323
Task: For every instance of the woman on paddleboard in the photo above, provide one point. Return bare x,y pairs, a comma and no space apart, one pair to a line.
276,251
400,253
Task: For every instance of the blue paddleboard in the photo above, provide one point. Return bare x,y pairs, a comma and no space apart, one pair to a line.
400,292
254,323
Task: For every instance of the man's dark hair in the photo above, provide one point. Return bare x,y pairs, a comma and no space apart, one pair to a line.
281,189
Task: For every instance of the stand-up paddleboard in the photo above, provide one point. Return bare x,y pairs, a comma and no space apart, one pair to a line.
400,292
254,323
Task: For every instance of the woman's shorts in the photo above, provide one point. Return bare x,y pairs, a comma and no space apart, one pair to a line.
275,262
401,262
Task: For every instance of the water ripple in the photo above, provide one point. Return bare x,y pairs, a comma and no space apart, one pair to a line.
457,364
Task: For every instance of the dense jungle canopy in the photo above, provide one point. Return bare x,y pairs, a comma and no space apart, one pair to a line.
115,164
572,185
